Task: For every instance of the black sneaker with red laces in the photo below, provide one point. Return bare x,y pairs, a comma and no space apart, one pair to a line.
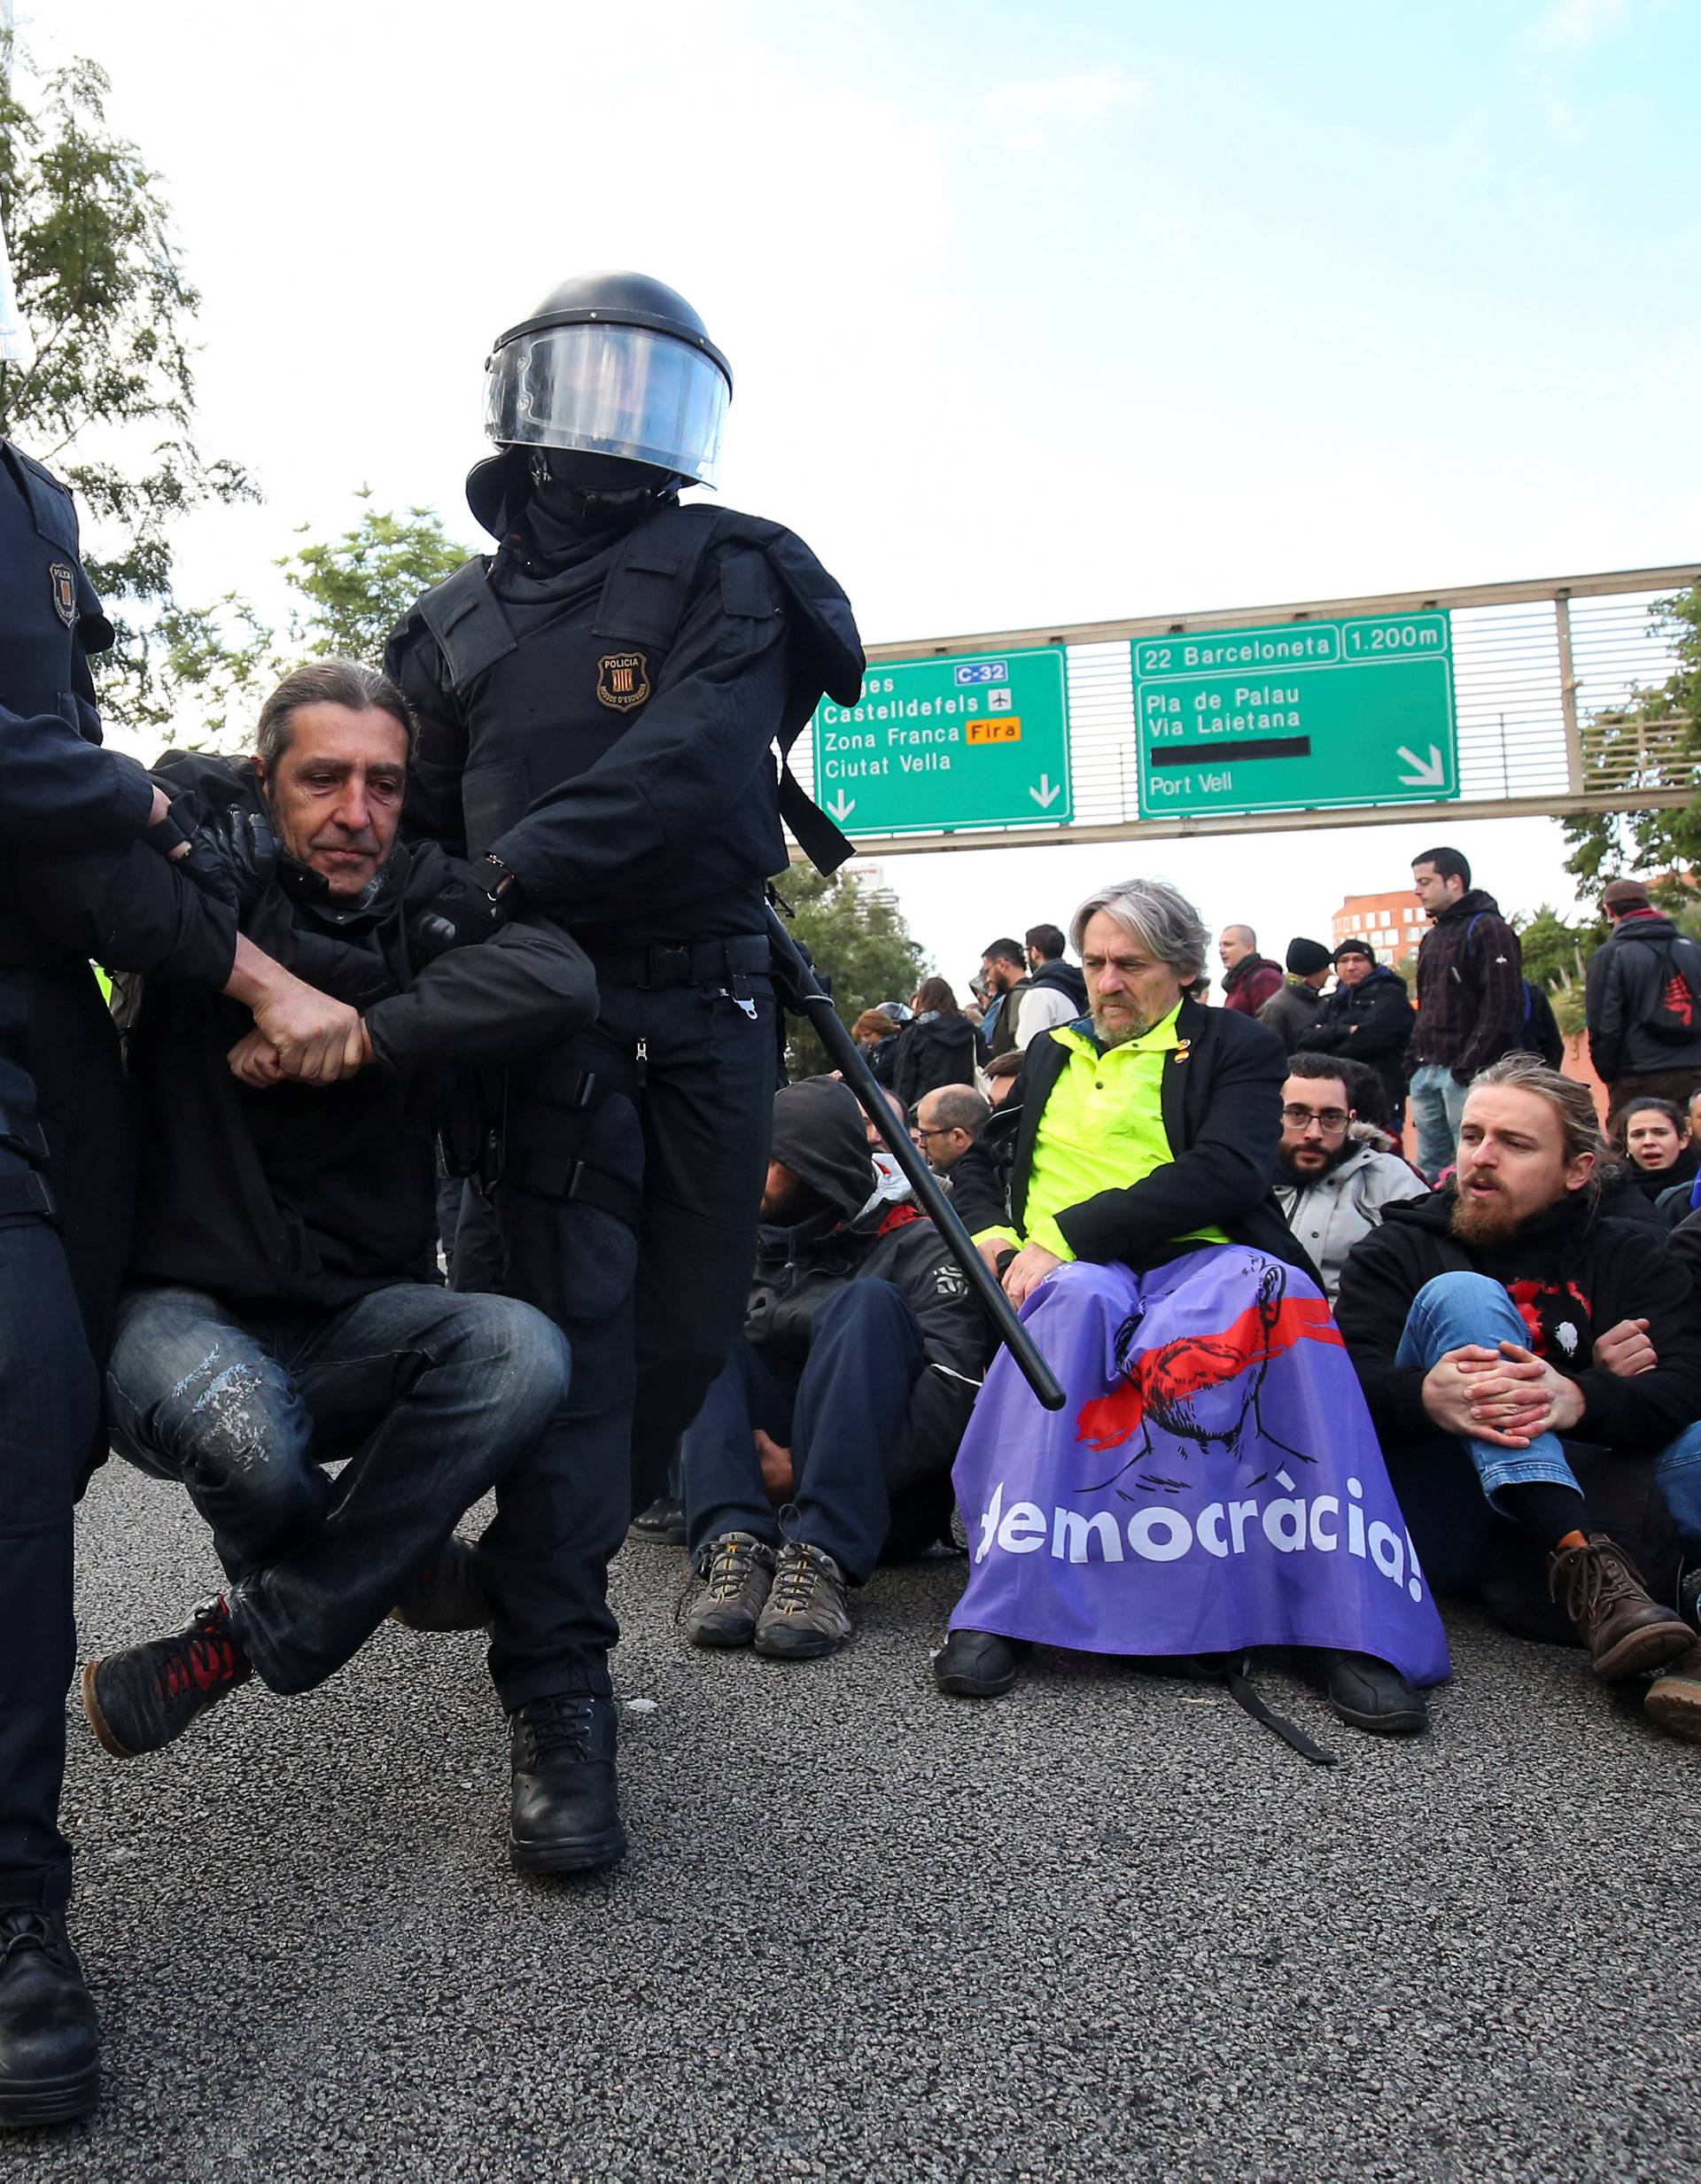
144,1698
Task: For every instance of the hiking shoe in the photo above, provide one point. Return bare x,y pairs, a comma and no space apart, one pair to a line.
566,1814
50,2037
450,1596
977,1664
148,1695
806,1614
1673,1698
1628,1632
1369,1694
737,1571
663,1523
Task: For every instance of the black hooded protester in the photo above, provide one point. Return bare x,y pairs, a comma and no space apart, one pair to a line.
600,703
1368,1017
937,1046
861,1356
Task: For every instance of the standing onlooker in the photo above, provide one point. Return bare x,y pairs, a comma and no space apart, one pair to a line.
1645,1002
1249,979
1295,1008
1470,999
877,1035
1368,1017
935,1047
1050,971
1004,971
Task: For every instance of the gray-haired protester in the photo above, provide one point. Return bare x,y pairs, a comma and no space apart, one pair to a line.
1135,1221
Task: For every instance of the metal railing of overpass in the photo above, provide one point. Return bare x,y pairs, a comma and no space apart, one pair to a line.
1544,671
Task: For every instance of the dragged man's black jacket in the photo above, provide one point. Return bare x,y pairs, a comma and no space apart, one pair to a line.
306,1194
817,1134
1222,1115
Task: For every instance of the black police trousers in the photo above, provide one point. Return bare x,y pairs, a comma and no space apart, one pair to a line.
58,1281
634,1164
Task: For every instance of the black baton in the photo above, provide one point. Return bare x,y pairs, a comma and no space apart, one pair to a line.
806,998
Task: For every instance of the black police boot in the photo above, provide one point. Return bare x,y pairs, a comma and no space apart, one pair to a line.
50,2037
565,1816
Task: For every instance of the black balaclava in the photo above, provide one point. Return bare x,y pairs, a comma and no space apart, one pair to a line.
575,496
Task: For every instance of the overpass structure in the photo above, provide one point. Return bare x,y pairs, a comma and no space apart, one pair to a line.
1480,701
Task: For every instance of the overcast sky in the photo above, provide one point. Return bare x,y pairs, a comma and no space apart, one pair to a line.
1036,315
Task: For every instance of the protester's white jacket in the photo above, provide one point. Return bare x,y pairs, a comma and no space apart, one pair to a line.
1330,1215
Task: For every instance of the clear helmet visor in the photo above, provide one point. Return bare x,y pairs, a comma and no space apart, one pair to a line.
609,391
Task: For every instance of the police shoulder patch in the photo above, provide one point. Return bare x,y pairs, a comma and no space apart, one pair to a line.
623,679
64,580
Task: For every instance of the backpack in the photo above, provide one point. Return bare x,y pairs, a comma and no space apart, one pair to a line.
1676,1013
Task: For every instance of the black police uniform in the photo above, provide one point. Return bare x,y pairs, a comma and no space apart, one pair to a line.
62,1244
599,704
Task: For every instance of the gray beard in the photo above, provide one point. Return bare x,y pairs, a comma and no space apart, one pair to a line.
1136,1028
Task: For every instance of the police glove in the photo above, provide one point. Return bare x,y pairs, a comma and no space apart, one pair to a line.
233,854
461,912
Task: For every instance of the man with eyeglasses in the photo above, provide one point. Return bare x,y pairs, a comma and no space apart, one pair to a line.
1333,1185
947,1122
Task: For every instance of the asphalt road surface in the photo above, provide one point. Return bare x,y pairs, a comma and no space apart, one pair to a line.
1106,1927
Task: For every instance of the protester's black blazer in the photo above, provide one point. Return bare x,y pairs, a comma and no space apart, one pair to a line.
1221,1113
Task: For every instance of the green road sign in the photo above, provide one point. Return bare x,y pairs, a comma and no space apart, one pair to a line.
1299,716
934,745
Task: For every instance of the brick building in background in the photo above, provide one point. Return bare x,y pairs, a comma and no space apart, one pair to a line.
1393,924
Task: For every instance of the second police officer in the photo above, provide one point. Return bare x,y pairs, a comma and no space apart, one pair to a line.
600,703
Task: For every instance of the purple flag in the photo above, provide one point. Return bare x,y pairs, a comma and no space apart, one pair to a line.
1214,1484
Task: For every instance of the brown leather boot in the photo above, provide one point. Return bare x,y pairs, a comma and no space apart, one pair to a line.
1628,1632
1673,1698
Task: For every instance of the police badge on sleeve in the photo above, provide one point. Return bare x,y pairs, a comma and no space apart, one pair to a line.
64,580
623,679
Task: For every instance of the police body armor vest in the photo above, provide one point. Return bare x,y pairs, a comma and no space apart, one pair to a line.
527,735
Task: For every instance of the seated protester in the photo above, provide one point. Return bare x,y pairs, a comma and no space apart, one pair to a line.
891,1184
1653,1135
947,1122
935,1047
1367,1018
841,1403
1000,1074
877,1035
1208,1488
1334,1183
285,1308
1513,1341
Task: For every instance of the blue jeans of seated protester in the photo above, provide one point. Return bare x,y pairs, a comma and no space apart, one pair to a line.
1437,1102
436,1398
1677,1473
1448,1484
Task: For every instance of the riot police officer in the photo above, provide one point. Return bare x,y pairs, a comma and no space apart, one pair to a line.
599,706
64,1193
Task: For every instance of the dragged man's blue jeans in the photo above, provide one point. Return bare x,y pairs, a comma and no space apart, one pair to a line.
1677,1473
1437,1102
1448,1484
435,1397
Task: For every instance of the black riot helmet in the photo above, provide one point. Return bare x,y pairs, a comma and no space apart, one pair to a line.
615,366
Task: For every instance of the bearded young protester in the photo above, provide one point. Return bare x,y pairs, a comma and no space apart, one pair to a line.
828,1437
1367,1018
285,1308
1526,1358
1333,1184
1213,1484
